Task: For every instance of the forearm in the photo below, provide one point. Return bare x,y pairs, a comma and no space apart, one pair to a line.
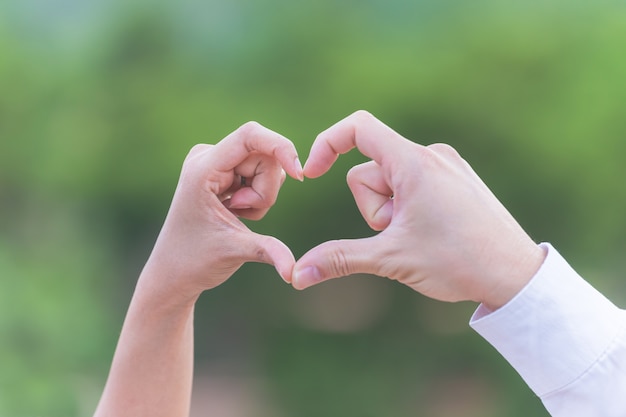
152,370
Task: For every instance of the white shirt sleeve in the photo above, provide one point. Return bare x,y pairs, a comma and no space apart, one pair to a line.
566,340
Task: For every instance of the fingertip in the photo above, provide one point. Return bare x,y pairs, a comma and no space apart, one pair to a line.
287,155
285,271
306,276
299,171
291,164
285,276
306,171
313,169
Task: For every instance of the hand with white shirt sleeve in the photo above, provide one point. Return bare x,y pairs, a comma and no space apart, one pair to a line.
442,232
566,340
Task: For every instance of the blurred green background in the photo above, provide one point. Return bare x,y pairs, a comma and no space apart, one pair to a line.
100,100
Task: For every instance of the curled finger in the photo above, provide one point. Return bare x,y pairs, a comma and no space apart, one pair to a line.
260,179
372,194
253,137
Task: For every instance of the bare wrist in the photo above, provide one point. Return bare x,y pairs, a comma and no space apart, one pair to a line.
164,289
520,271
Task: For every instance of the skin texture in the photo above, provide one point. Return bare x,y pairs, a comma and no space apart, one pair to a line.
442,232
202,243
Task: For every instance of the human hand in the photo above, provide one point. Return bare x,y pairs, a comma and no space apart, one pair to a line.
202,242
442,232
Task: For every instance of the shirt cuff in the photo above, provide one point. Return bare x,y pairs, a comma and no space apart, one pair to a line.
553,330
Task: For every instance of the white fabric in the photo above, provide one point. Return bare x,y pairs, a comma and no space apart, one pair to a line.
566,340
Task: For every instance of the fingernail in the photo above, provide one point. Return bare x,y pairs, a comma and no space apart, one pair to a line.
283,277
306,277
299,171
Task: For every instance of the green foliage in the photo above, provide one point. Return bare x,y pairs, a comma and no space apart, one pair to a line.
100,101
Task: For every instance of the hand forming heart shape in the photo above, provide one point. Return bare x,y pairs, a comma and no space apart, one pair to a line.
442,232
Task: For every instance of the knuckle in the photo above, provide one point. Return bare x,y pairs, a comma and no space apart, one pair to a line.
429,157
357,173
258,138
339,263
353,175
250,127
197,149
263,248
363,116
260,255
194,152
444,149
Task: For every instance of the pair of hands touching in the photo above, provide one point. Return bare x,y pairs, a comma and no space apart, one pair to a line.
441,230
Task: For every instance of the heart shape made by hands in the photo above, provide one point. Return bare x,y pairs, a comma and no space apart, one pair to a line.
442,231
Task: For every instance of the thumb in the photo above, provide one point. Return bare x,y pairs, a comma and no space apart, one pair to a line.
269,250
334,259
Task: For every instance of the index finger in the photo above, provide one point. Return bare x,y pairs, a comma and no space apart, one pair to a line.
253,137
360,130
